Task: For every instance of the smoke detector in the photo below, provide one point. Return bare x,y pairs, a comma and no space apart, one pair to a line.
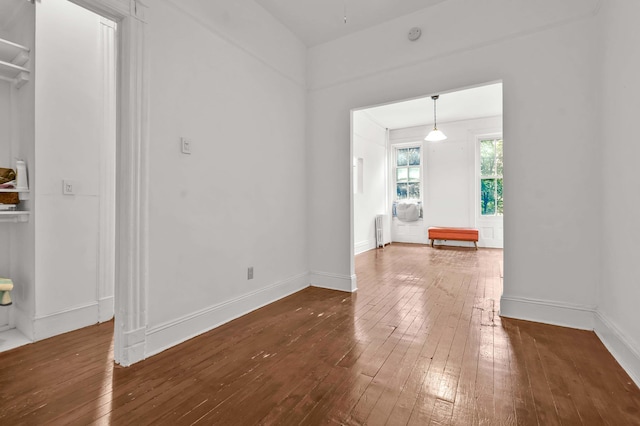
414,33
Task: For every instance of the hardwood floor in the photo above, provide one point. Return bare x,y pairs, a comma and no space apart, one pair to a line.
420,343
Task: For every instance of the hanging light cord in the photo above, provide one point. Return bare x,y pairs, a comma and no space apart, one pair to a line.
345,11
435,126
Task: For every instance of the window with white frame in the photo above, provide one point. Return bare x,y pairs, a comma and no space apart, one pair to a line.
408,173
491,169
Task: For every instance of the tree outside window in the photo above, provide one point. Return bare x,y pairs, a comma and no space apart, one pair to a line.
408,173
491,170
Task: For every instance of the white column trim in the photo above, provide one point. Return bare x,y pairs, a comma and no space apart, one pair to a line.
132,177
106,237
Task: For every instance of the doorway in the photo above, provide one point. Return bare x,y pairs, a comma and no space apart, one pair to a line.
452,183
67,186
76,110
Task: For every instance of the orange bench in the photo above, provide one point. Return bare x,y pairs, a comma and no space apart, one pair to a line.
456,234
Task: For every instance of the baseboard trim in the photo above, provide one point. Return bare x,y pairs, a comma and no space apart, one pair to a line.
105,309
64,321
363,246
171,333
624,351
548,312
331,281
23,322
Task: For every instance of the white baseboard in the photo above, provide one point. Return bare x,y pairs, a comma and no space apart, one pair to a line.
330,281
363,246
105,309
555,313
23,322
62,322
164,336
624,351
134,343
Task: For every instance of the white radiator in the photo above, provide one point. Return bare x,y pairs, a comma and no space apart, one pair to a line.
383,236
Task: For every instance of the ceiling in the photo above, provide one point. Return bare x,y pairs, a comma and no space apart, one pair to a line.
483,101
319,21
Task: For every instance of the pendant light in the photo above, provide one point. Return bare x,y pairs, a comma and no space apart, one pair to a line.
435,135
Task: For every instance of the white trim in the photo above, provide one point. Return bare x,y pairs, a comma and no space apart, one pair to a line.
23,322
64,321
107,222
548,312
331,281
623,350
132,172
106,309
363,246
171,333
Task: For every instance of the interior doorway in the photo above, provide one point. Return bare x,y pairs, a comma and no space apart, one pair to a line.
452,183
76,163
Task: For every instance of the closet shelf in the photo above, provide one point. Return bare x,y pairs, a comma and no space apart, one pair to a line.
13,57
14,190
14,216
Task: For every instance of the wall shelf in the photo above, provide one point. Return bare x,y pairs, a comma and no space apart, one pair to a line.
14,216
13,57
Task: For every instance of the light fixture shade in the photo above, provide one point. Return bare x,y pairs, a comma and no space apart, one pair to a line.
435,136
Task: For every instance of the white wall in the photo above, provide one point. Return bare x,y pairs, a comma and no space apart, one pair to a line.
370,145
618,320
450,182
542,51
70,122
239,199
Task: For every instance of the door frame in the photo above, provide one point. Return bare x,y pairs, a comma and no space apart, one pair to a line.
132,180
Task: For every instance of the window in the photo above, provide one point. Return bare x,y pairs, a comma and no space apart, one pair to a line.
491,166
407,174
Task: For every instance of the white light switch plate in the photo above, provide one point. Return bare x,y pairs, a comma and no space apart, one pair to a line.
185,145
68,187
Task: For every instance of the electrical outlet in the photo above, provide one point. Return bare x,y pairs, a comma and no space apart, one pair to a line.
68,187
250,273
185,145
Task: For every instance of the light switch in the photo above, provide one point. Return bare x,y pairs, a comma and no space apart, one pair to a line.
68,187
185,145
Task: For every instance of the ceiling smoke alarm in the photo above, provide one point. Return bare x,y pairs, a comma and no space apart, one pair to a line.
414,33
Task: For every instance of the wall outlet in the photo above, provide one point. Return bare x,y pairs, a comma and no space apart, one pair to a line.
250,273
185,145
68,187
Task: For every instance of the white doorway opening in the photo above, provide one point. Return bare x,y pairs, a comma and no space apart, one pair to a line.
453,183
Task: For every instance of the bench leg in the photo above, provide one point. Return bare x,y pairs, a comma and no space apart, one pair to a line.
432,243
475,243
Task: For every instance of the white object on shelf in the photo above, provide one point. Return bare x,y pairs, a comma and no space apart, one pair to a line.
22,184
13,57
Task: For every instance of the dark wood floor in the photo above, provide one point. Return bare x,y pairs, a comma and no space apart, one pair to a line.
420,343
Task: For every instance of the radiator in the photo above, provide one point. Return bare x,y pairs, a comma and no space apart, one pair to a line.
382,230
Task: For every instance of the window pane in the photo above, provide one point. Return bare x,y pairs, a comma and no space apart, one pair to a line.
499,157
499,202
402,157
401,174
414,174
413,191
414,156
401,191
487,158
488,196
